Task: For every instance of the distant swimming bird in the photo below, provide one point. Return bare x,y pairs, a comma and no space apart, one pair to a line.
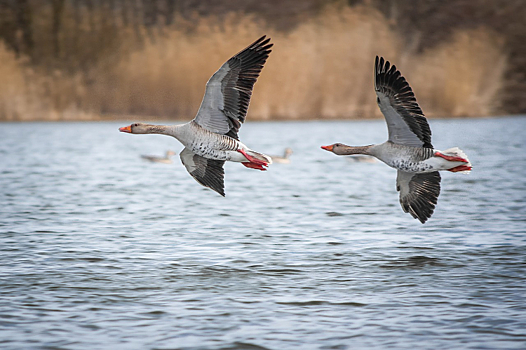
285,159
211,137
408,148
361,159
166,159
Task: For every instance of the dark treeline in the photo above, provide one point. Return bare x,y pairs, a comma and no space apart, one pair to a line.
40,29
71,36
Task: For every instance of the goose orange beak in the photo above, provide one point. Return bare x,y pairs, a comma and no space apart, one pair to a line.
125,129
327,148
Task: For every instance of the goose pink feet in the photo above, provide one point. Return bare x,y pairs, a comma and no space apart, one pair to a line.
451,158
254,166
252,159
253,162
460,168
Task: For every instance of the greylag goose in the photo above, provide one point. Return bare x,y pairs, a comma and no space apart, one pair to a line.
284,159
166,159
211,137
408,148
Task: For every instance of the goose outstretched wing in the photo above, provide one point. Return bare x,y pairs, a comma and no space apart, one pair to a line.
228,91
418,193
208,172
405,120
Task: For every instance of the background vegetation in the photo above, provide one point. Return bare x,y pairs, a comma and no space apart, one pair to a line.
103,59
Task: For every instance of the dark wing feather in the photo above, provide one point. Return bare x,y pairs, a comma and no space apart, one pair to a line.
418,193
405,120
208,172
229,90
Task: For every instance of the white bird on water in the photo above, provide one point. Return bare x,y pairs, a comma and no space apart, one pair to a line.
167,159
408,148
211,137
284,159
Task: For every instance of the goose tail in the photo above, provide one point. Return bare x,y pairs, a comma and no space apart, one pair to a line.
458,153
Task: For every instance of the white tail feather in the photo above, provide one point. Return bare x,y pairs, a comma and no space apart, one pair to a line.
457,152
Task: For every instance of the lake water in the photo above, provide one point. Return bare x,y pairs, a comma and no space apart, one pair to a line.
102,250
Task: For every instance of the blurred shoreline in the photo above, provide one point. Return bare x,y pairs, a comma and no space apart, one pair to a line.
169,121
102,62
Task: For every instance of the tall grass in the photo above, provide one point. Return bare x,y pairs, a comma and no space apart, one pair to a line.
466,76
321,69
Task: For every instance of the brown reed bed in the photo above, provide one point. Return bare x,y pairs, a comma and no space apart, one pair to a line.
321,69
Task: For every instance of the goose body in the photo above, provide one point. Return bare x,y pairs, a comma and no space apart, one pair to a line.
408,148
414,159
211,138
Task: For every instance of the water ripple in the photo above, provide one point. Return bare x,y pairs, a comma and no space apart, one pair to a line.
100,250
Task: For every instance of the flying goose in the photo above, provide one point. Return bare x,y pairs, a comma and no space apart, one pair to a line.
154,159
211,137
408,148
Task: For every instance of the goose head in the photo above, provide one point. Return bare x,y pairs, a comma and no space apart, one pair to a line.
137,128
335,148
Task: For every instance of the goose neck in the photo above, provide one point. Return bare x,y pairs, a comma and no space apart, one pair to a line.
350,150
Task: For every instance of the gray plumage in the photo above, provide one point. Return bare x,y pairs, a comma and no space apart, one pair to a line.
229,90
406,123
418,193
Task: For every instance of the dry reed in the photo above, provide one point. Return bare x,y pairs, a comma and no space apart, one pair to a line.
321,69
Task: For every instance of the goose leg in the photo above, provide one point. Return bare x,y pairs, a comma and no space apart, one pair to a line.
460,168
451,158
254,166
252,159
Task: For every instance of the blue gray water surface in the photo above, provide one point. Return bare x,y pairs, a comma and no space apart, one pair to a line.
102,250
